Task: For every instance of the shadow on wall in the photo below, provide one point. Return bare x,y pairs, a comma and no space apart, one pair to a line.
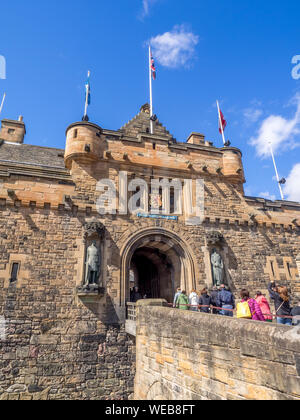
232,266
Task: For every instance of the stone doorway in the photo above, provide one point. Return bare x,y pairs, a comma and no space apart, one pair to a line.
154,273
158,261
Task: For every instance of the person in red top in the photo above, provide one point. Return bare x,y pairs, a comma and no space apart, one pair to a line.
253,305
264,306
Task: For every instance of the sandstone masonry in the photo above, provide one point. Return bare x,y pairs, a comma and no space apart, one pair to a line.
192,356
62,343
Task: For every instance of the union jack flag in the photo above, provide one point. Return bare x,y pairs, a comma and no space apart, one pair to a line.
153,69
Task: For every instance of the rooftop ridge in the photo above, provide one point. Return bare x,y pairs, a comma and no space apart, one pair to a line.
141,121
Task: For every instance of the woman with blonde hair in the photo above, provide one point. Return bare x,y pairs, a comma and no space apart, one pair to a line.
282,303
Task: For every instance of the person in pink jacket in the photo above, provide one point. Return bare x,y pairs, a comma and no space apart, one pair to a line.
264,306
254,306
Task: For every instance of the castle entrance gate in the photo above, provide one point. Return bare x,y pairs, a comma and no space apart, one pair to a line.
157,261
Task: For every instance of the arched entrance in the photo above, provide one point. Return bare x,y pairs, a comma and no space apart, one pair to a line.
157,261
154,272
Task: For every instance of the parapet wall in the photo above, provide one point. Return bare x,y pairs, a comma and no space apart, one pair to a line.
193,356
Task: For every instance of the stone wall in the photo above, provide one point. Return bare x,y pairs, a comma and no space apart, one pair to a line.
62,347
193,356
55,345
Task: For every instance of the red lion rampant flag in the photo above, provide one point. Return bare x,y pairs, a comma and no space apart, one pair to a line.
223,122
153,69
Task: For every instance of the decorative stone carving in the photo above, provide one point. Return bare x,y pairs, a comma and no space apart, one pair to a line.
92,228
214,238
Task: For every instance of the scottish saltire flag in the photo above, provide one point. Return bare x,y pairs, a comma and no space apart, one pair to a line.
88,89
153,69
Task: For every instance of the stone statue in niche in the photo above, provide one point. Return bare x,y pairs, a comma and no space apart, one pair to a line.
93,266
217,268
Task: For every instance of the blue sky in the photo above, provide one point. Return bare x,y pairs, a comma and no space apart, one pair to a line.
237,51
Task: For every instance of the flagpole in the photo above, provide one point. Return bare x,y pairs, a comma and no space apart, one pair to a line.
86,96
150,86
2,103
276,171
220,121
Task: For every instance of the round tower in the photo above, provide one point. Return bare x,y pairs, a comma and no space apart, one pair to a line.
83,143
232,163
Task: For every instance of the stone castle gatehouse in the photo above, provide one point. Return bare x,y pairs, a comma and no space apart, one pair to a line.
66,270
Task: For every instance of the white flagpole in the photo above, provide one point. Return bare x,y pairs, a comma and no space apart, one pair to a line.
2,103
276,171
86,96
150,85
220,121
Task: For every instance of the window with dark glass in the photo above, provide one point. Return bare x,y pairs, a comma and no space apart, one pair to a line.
172,201
14,272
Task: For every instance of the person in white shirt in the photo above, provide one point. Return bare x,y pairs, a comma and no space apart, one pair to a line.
194,301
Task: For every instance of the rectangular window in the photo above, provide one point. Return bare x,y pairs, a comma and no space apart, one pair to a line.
272,268
14,272
289,269
172,201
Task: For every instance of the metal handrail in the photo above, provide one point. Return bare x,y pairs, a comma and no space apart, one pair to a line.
131,311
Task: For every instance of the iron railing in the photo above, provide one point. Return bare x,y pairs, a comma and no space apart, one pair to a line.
131,311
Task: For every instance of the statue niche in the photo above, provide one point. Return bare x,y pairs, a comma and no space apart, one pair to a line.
214,242
92,266
93,240
217,265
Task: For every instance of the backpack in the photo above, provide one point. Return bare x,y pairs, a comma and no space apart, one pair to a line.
243,310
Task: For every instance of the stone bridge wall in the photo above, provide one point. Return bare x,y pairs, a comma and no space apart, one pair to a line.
186,355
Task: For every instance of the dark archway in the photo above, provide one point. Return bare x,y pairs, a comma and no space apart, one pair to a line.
167,253
153,273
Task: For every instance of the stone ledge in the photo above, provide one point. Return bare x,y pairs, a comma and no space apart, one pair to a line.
90,295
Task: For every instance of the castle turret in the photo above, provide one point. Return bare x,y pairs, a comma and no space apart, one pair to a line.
13,131
232,163
83,143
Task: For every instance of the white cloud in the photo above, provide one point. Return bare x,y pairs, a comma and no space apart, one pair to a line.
278,130
175,48
292,186
267,195
252,115
146,7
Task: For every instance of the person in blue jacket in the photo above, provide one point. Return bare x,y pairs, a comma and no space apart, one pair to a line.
225,301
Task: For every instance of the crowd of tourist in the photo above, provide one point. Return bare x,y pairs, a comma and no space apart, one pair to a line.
221,301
